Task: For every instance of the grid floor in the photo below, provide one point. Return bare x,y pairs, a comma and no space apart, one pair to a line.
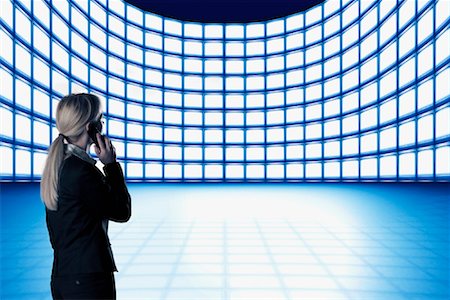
347,242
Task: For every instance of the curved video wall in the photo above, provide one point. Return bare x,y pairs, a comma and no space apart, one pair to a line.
346,91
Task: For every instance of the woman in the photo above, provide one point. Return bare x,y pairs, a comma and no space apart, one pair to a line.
80,200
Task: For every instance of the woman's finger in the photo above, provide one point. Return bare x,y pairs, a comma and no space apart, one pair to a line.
107,143
100,142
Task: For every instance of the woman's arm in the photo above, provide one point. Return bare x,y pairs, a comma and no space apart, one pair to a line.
119,210
106,196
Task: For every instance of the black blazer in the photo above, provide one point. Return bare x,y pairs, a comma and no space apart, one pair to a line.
87,199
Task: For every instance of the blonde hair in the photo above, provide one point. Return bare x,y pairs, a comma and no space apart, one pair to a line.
72,114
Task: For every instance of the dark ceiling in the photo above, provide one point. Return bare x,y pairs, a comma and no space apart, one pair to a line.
224,11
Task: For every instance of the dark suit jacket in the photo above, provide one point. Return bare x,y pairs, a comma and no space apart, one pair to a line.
87,199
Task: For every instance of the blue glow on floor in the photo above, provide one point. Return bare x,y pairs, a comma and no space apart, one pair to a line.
310,241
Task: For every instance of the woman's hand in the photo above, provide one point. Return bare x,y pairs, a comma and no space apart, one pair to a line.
106,152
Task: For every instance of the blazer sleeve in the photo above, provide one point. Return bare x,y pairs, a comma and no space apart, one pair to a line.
107,196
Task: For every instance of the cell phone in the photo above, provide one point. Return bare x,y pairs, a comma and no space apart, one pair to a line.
93,129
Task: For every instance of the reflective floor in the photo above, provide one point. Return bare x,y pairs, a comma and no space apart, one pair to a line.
208,241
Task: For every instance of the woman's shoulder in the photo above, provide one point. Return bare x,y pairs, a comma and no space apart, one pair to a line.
74,167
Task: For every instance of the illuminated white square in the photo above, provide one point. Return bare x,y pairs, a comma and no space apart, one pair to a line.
7,122
193,171
332,148
23,162
314,131
275,116
255,171
172,134
332,107
388,166
350,146
134,169
425,162
275,45
294,77
350,168
172,171
234,31
6,163
213,31
275,171
275,80
425,128
314,150
24,124
234,153
314,170
294,133
314,92
294,114
294,41
234,83
213,153
193,118
213,48
275,153
275,134
332,128
388,138
193,47
213,83
369,142
193,135
213,171
255,136
294,96
294,151
234,171
234,49
442,122
350,123
153,151
442,86
369,167
407,133
192,153
255,153
332,169
213,118
211,100
234,136
443,161
153,133
442,52
368,118
407,164
213,135
172,153
294,59
234,118
294,170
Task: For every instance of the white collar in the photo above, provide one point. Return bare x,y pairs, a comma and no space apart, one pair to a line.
77,151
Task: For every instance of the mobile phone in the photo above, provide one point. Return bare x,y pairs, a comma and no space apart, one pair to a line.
93,129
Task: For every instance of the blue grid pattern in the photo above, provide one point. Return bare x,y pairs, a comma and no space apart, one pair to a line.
346,91
377,241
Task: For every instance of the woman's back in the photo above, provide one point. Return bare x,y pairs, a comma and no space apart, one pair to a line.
77,232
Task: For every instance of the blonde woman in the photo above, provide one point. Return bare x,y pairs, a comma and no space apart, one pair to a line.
79,200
